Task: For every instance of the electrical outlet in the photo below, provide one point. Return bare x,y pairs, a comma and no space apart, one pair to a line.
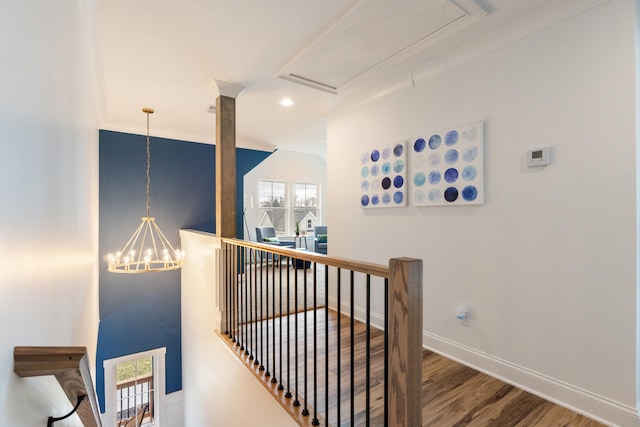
462,315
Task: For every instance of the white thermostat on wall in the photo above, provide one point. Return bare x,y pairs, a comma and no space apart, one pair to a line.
538,157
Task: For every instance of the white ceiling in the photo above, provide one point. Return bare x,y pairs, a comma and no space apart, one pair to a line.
167,54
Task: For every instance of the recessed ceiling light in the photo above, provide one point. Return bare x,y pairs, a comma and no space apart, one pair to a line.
286,102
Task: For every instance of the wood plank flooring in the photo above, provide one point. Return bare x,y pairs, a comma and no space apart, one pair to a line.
452,394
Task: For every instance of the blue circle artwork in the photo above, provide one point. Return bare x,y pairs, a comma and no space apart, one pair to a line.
386,183
386,153
364,158
451,138
398,181
375,199
364,172
451,175
386,168
364,201
469,193
451,194
446,167
398,197
375,155
398,166
469,173
470,154
451,156
386,198
364,186
398,150
435,141
434,177
375,170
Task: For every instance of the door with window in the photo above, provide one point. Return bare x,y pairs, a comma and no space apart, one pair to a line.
132,389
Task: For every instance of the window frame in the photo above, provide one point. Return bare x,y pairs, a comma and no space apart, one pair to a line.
304,227
110,384
286,208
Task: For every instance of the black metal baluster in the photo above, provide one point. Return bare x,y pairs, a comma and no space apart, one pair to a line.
265,320
305,411
243,280
230,290
296,402
238,276
288,393
315,420
247,304
386,351
259,313
339,404
353,345
226,288
280,386
251,297
234,290
326,343
273,319
368,354
234,317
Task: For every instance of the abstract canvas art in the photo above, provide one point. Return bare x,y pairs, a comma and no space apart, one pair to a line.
383,177
447,167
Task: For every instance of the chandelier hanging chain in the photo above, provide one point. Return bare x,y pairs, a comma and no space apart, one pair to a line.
148,111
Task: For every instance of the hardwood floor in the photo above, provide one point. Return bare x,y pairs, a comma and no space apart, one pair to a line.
452,394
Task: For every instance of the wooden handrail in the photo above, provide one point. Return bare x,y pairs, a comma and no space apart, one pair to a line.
347,264
70,366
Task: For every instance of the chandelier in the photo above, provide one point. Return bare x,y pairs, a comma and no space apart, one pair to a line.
147,250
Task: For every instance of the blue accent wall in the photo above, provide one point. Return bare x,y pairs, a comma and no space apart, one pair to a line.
140,312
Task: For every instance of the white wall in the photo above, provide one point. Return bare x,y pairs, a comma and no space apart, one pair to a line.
48,220
218,389
548,264
290,167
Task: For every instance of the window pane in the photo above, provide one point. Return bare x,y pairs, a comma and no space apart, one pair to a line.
273,205
306,206
134,390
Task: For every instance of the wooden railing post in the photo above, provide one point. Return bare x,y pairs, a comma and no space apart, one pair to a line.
405,342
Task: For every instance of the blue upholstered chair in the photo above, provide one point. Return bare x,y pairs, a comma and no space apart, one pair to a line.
320,239
268,236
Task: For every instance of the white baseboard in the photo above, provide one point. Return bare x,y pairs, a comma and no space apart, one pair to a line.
584,402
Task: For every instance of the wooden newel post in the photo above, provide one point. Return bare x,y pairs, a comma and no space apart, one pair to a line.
405,342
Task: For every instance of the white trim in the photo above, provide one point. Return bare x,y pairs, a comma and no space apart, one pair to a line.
582,401
158,357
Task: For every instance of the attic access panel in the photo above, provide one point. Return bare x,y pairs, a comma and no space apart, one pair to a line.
369,36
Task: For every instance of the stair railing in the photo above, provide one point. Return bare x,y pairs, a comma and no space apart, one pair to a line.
302,322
